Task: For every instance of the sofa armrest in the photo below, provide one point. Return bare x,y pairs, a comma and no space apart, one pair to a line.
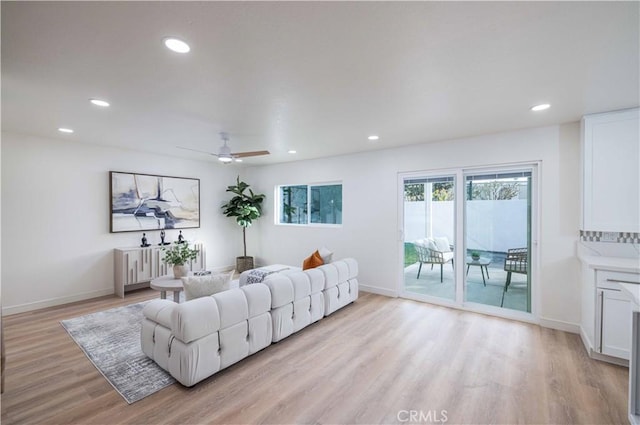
159,311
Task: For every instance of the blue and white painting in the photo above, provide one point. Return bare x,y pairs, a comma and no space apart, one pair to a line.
149,202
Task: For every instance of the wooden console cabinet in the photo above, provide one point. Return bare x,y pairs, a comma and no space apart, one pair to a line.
135,267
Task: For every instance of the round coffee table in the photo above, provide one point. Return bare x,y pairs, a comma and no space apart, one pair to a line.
482,263
168,283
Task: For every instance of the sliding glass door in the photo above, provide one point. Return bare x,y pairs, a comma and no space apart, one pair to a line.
429,236
498,239
470,247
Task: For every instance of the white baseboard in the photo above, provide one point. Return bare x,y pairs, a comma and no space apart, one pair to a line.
597,356
52,302
560,325
609,359
585,340
380,291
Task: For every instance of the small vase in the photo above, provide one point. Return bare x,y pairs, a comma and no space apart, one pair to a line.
179,271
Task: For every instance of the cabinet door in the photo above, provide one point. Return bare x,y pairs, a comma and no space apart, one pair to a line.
611,177
200,262
615,338
137,266
160,268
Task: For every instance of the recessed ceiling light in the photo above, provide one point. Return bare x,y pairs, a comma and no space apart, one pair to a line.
540,107
65,130
373,137
99,102
292,151
176,45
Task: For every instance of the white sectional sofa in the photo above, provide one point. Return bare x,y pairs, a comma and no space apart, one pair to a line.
196,339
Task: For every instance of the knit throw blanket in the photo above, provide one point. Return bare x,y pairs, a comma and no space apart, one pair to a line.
257,276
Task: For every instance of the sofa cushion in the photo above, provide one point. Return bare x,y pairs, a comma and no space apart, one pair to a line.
301,284
233,307
442,244
195,319
313,261
203,286
316,277
353,267
258,298
331,276
281,290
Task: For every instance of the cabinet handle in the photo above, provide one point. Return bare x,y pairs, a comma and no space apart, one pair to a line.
601,296
622,281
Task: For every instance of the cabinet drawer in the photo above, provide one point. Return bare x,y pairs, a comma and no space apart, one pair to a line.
609,279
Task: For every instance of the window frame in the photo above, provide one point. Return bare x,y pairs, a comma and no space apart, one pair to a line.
278,204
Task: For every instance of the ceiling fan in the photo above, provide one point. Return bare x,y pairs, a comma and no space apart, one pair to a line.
224,153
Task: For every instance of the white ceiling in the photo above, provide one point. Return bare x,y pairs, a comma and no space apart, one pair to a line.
314,77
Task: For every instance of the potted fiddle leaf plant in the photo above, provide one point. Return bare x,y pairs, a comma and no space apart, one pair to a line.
245,208
177,256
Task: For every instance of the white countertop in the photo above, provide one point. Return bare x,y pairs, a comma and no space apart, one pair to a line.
629,263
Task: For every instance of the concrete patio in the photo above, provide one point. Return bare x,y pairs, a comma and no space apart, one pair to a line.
491,294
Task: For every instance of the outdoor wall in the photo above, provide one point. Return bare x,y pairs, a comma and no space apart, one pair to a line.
491,225
419,223
56,245
371,226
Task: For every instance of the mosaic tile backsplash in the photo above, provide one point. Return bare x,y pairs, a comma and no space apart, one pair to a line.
613,237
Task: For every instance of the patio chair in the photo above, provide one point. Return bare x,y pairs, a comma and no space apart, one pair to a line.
433,251
515,262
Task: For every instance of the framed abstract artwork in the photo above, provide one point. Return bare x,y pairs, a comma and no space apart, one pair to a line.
150,202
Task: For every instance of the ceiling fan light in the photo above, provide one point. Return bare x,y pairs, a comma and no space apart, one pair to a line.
223,158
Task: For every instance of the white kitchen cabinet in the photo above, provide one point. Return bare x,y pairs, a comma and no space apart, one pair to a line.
610,172
136,267
613,313
615,323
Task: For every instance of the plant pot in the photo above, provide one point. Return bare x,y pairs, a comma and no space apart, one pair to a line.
244,263
475,257
180,271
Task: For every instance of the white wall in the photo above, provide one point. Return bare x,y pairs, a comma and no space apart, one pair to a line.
370,230
56,245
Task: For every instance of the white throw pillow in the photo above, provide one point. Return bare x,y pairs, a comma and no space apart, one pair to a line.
442,244
325,254
431,244
203,286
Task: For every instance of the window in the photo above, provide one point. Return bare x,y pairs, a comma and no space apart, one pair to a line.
310,204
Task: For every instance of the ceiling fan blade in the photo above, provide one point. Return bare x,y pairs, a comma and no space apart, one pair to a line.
196,150
247,154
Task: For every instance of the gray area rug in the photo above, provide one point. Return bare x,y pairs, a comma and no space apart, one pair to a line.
111,340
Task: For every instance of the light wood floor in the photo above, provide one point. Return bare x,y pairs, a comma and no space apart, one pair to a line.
366,363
